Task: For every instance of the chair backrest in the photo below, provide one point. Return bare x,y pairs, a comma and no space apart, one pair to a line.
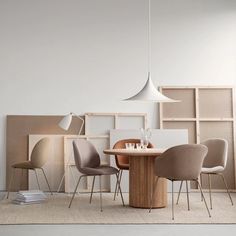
182,162
40,153
217,153
85,155
124,160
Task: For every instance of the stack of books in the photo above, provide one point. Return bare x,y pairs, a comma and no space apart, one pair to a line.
29,197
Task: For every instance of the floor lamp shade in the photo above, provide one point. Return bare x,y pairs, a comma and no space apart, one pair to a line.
65,122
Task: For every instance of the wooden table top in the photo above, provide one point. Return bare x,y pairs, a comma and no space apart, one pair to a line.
135,152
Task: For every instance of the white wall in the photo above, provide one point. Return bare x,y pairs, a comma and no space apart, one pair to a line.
58,56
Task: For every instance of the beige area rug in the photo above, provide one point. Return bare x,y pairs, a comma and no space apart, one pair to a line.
55,211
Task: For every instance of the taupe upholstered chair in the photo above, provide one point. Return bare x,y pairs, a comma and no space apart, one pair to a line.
122,162
214,163
87,161
183,162
39,156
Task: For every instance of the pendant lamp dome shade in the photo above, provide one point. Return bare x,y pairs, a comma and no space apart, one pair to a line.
150,93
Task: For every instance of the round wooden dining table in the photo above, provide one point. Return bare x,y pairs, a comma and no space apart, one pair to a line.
142,178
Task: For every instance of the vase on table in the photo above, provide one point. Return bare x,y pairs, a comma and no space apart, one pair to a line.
145,137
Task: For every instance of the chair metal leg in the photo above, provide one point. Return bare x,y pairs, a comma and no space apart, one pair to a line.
75,190
172,199
100,184
36,175
209,184
201,185
119,188
187,194
116,186
180,187
91,196
11,179
120,181
46,180
226,186
203,197
153,191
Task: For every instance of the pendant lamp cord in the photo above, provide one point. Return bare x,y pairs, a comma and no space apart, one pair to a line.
149,38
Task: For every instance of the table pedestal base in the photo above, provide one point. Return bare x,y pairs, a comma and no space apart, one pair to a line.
141,179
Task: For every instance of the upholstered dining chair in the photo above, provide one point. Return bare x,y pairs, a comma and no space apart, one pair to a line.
87,161
122,162
214,163
183,162
38,158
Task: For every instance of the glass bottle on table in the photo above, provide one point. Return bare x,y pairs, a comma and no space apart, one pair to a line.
145,137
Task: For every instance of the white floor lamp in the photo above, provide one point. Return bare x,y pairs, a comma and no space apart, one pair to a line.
65,124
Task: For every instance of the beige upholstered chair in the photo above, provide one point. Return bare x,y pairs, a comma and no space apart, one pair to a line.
183,162
214,163
122,162
87,161
38,158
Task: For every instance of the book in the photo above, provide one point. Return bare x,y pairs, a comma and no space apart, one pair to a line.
25,203
31,192
38,196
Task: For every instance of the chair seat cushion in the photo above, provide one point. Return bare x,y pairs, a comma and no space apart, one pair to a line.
100,170
23,165
215,169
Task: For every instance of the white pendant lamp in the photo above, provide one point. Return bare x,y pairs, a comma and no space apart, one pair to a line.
149,91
